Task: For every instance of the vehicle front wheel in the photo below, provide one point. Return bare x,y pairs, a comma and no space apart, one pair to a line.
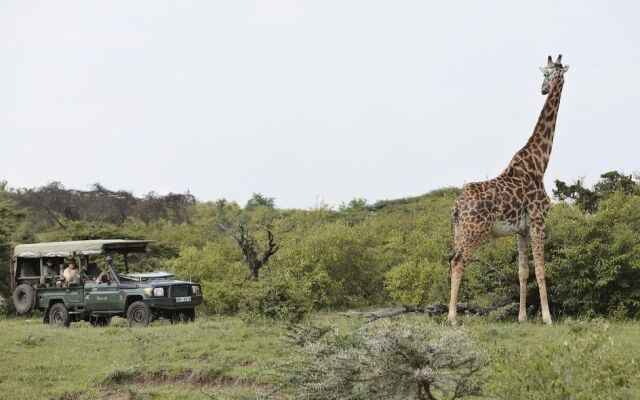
138,314
58,315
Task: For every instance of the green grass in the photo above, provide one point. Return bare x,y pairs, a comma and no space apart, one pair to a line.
227,358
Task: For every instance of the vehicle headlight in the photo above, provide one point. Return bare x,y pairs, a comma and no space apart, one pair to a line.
148,291
159,292
195,289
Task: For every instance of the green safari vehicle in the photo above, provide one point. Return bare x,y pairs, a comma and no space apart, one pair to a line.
39,280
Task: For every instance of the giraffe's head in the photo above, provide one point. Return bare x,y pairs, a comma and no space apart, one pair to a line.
551,71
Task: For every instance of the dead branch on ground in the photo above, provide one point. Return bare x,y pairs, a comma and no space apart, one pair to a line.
434,309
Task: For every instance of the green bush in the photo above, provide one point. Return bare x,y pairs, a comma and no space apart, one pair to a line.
339,265
494,274
9,217
418,283
594,259
224,296
4,307
276,297
223,279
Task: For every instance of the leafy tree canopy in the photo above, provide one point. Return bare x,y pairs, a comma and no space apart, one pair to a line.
259,200
588,199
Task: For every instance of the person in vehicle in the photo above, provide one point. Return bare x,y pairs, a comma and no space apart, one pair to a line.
92,270
71,274
47,268
104,277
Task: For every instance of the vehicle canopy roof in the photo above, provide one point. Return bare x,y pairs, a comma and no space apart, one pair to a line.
80,247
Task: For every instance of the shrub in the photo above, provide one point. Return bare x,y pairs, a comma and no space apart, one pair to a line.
341,265
4,307
386,360
276,297
594,259
418,283
494,274
223,278
224,296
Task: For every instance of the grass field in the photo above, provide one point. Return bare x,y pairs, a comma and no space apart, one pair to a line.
227,358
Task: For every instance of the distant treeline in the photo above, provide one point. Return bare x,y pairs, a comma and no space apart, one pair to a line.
55,204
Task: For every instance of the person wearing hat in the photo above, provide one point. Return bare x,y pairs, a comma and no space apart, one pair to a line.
47,268
71,274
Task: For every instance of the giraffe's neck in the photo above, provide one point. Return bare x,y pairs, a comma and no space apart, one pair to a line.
533,158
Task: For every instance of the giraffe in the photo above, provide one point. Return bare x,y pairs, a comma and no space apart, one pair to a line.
513,203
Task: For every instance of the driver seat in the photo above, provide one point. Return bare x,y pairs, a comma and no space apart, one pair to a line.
92,270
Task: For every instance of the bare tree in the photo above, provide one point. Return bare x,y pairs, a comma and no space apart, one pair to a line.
253,256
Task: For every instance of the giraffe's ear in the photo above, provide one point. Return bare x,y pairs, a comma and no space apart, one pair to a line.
565,69
544,70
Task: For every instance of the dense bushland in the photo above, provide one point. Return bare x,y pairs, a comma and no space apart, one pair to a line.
356,255
9,216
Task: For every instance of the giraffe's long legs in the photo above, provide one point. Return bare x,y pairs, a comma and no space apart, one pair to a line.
537,246
523,273
457,267
466,248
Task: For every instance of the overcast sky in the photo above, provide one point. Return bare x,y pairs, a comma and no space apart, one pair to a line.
309,101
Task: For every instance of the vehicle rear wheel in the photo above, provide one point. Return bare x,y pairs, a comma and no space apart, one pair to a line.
100,321
58,315
191,314
24,298
138,314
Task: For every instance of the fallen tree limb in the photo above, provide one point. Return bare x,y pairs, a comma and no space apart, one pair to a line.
434,309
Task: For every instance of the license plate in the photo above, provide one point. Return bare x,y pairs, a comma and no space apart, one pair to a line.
183,299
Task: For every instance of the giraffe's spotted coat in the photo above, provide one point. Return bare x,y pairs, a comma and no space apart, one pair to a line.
514,202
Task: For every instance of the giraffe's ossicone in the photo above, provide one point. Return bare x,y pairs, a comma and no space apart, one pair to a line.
513,203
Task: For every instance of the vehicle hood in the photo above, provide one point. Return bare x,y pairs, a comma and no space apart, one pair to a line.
151,278
146,276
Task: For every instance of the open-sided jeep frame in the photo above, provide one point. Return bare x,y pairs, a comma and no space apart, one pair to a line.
140,297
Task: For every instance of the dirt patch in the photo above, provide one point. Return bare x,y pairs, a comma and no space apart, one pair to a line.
123,394
142,377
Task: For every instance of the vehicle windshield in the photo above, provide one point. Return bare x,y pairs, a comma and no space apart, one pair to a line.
125,265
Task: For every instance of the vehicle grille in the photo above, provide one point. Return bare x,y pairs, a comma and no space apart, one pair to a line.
179,291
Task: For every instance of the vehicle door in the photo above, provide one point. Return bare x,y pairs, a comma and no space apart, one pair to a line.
103,296
73,295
